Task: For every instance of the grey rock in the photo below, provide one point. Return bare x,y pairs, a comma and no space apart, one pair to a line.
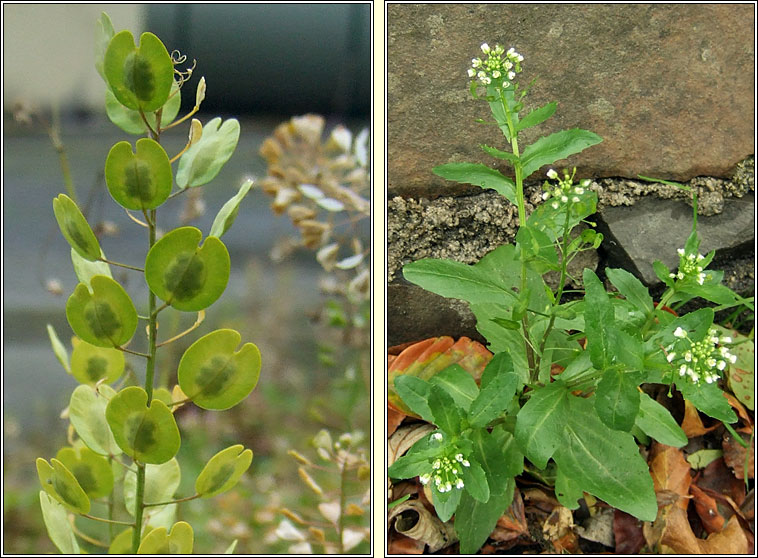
668,86
652,229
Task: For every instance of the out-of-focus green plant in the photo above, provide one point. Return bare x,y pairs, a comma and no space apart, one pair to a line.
124,439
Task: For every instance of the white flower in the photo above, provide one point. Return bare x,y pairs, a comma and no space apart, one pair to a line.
575,199
459,483
496,74
471,72
545,195
485,48
511,75
721,365
726,339
579,190
682,369
552,174
680,333
511,50
670,357
508,64
520,58
688,356
564,199
554,205
680,251
732,358
476,62
437,436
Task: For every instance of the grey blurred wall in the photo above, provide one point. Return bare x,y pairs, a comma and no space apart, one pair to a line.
256,58
48,52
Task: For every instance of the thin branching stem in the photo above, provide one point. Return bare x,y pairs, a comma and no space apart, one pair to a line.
187,499
126,266
102,519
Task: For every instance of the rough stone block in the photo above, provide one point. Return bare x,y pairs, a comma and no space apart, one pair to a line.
668,86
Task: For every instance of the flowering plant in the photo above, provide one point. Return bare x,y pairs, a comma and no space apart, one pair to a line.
562,391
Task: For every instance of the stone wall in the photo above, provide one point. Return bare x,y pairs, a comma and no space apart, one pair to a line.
668,87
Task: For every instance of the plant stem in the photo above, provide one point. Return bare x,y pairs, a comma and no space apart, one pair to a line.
341,521
521,221
138,507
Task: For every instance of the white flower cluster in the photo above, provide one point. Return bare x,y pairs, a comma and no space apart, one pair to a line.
565,190
700,360
689,267
447,470
495,70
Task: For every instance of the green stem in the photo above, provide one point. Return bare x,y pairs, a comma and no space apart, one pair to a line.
187,499
139,507
521,221
88,516
664,301
126,266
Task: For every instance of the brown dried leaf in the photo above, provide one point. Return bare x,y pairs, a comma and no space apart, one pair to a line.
404,437
413,520
512,524
734,455
707,510
627,532
394,418
692,424
558,523
400,544
670,472
678,537
718,478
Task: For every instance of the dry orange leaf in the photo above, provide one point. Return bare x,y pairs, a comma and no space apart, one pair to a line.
692,424
706,508
678,537
670,472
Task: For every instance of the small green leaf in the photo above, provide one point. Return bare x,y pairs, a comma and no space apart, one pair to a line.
702,458
604,462
632,289
458,383
58,348
130,120
90,364
161,482
231,547
103,34
655,421
138,181
202,162
500,154
662,272
478,175
147,434
447,415
537,116
58,528
223,471
75,228
475,520
541,421
617,399
708,398
92,471
157,541
86,411
188,277
214,375
445,503
598,317
415,394
85,270
489,281
61,484
228,213
140,77
499,384
549,149
475,481
537,248
106,317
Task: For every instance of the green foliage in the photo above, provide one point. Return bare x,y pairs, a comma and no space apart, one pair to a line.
581,422
110,423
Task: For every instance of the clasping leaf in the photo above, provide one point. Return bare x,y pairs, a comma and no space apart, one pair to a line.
147,434
138,181
106,317
62,485
214,375
202,162
188,277
223,471
75,228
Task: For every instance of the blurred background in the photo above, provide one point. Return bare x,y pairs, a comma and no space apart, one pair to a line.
264,64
